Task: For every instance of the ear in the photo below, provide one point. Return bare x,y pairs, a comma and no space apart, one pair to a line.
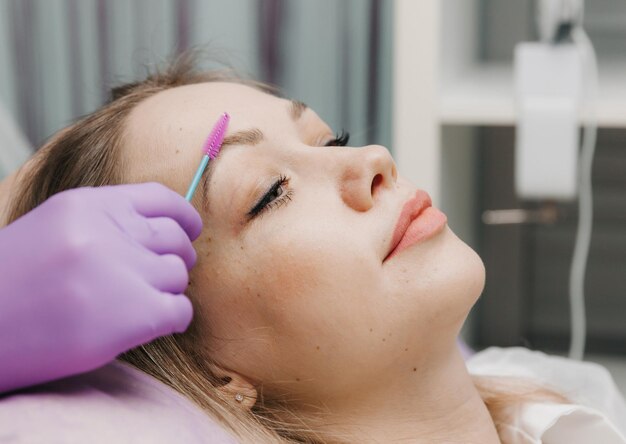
236,388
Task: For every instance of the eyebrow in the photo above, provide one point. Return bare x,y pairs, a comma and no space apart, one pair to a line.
251,137
296,109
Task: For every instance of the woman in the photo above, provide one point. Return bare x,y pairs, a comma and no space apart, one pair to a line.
315,319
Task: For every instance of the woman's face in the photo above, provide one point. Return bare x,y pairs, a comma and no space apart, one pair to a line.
293,287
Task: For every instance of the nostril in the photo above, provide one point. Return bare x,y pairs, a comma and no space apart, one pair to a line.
378,179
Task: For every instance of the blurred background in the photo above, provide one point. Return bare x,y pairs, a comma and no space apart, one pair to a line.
430,79
60,58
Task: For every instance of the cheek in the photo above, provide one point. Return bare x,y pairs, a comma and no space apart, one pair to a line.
290,303
321,304
312,280
309,274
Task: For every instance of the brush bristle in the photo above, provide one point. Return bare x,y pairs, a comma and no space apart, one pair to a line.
213,143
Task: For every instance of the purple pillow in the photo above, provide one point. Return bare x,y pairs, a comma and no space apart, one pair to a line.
114,404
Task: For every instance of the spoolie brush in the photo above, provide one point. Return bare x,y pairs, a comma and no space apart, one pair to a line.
211,149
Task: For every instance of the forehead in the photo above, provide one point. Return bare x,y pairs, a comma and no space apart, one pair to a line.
198,106
165,133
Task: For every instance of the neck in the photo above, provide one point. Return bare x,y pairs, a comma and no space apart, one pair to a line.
437,404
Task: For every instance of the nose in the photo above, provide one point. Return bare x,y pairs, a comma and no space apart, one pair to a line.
366,173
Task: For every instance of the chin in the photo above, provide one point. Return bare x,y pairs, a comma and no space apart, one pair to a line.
459,277
469,272
435,285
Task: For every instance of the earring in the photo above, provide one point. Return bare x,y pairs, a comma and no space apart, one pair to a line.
239,397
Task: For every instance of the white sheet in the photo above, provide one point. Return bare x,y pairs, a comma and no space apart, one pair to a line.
597,413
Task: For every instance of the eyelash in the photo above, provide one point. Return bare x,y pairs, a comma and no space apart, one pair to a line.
341,139
268,203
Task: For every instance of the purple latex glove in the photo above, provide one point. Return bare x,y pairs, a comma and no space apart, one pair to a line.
89,274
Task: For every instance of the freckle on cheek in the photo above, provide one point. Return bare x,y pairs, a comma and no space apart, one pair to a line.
414,369
318,347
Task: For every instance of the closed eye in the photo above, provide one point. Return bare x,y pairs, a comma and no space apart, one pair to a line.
341,139
278,194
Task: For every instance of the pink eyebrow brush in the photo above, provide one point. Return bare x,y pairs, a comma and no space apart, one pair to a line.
211,149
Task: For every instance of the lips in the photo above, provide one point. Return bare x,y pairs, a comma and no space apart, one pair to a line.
418,221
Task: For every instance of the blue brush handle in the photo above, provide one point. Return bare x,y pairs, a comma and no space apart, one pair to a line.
196,178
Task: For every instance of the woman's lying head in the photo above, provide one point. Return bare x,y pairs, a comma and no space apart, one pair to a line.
297,298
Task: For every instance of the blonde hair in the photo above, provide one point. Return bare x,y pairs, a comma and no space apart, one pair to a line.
87,154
